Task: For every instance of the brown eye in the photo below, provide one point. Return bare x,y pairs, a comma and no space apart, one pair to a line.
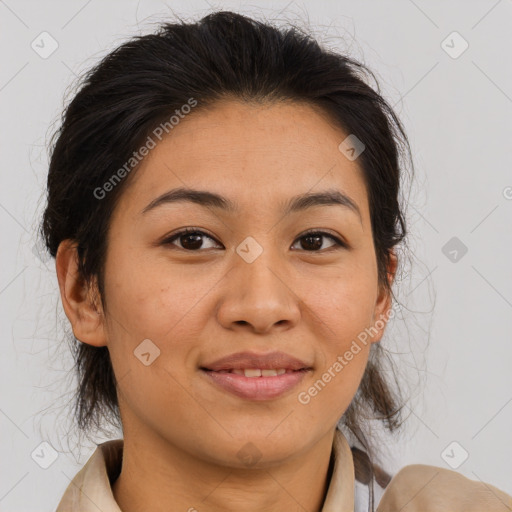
314,240
189,239
193,240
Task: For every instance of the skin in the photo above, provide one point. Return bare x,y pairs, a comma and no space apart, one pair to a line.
182,435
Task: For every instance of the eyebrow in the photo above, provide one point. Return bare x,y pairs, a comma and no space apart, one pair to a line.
331,197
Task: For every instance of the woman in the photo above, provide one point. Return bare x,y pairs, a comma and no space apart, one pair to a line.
223,209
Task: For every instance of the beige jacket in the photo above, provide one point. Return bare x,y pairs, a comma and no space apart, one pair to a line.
415,488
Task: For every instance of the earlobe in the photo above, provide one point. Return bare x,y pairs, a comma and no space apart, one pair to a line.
79,298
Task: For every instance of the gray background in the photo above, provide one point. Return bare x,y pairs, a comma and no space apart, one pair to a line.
454,344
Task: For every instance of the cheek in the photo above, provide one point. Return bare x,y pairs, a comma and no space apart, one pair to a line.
145,304
343,310
344,305
148,299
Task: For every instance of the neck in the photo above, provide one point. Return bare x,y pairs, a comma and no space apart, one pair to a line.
156,475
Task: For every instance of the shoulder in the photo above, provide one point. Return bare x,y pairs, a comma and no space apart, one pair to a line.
90,490
420,487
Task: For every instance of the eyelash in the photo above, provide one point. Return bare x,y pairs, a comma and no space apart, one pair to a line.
338,242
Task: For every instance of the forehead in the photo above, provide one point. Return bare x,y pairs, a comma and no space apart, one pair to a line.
258,155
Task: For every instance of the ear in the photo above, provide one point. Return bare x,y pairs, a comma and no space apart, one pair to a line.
80,301
384,303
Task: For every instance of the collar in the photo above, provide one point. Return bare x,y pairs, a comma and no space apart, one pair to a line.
90,490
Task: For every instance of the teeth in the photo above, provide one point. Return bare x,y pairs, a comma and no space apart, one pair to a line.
252,373
256,372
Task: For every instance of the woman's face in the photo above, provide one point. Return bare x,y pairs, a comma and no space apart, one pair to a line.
248,280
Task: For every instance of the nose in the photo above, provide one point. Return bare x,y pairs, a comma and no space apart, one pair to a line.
258,297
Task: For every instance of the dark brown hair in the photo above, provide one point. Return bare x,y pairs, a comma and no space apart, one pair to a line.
143,82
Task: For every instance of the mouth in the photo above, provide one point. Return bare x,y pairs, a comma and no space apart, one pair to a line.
256,372
256,377
253,384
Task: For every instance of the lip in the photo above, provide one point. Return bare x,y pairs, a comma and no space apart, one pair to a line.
242,360
256,388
